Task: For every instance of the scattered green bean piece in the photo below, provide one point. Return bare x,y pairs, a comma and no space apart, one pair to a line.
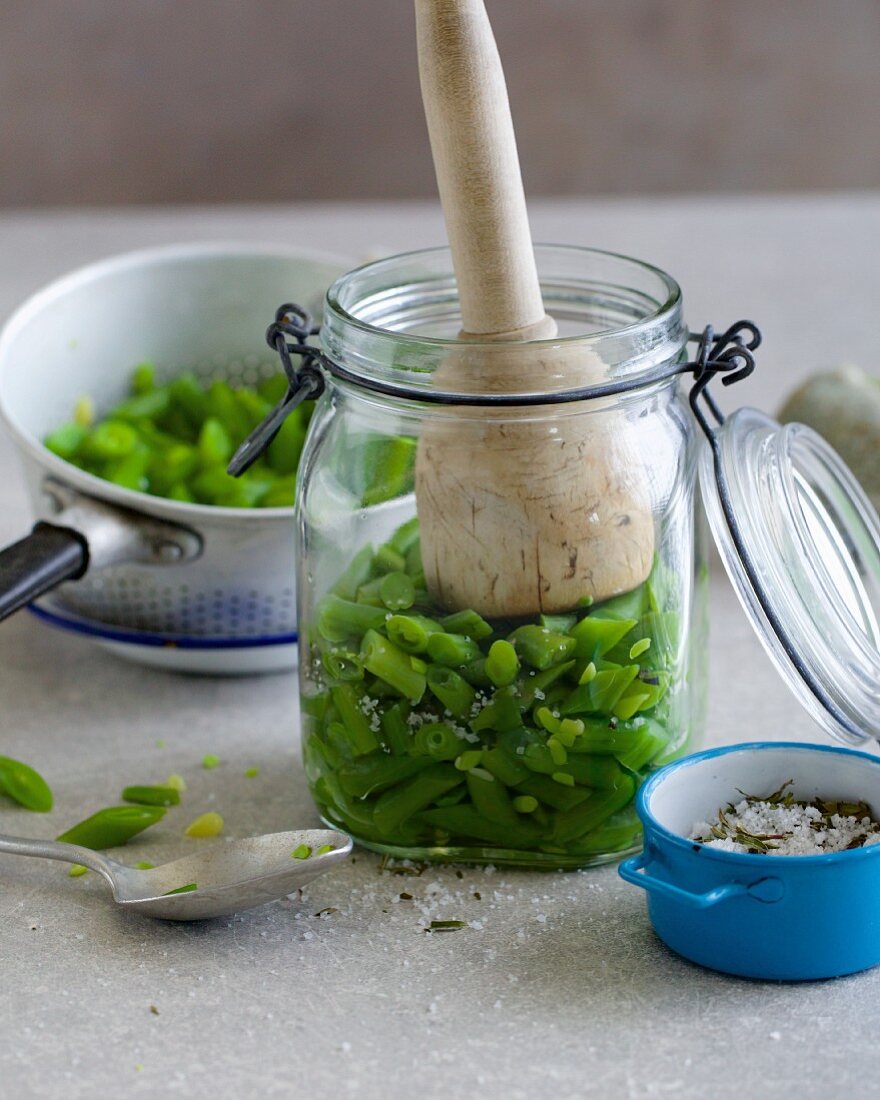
24,785
210,761
205,825
188,889
77,870
301,851
152,796
112,827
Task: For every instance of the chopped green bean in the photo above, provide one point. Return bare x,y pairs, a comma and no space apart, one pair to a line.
540,647
595,635
502,663
340,619
348,703
67,440
205,825
453,691
112,827
437,740
152,796
389,560
397,591
399,804
454,732
453,650
24,785
468,623
392,665
367,775
411,632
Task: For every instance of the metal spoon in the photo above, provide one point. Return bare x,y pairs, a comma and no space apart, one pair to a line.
228,877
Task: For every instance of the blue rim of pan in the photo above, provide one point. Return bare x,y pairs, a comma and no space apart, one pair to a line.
103,633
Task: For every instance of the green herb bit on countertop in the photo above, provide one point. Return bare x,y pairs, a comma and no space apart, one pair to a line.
188,889
77,870
251,773
176,781
210,761
446,926
780,824
24,785
301,851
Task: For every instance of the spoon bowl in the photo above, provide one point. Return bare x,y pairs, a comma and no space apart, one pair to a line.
227,877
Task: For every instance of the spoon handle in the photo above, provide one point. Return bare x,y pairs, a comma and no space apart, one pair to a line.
54,849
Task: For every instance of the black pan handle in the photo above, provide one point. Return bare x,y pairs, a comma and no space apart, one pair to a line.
38,563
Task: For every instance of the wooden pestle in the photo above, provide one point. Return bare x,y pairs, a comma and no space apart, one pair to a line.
521,510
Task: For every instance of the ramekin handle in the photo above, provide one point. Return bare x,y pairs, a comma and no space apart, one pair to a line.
634,871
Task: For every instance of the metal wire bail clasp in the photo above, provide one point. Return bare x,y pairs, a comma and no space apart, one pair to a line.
288,335
730,355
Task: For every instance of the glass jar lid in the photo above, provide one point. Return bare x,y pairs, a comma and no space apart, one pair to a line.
801,543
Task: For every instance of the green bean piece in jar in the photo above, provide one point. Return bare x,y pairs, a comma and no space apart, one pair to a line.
439,734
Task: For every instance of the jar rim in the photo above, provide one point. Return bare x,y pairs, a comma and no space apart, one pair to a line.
397,360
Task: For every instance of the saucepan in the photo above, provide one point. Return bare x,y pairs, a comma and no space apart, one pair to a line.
189,586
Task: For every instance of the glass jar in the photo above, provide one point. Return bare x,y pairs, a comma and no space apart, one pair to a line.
443,732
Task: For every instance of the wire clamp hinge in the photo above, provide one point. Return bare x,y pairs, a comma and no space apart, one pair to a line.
288,335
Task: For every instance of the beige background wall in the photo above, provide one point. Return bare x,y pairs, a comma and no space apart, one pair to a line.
154,101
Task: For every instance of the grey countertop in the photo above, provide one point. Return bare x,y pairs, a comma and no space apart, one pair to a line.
560,988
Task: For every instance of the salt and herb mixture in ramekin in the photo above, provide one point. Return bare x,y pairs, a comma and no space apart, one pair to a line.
782,825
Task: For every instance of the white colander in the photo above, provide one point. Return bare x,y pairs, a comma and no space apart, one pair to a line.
191,585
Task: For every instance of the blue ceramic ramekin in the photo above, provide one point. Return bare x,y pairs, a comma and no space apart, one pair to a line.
759,916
